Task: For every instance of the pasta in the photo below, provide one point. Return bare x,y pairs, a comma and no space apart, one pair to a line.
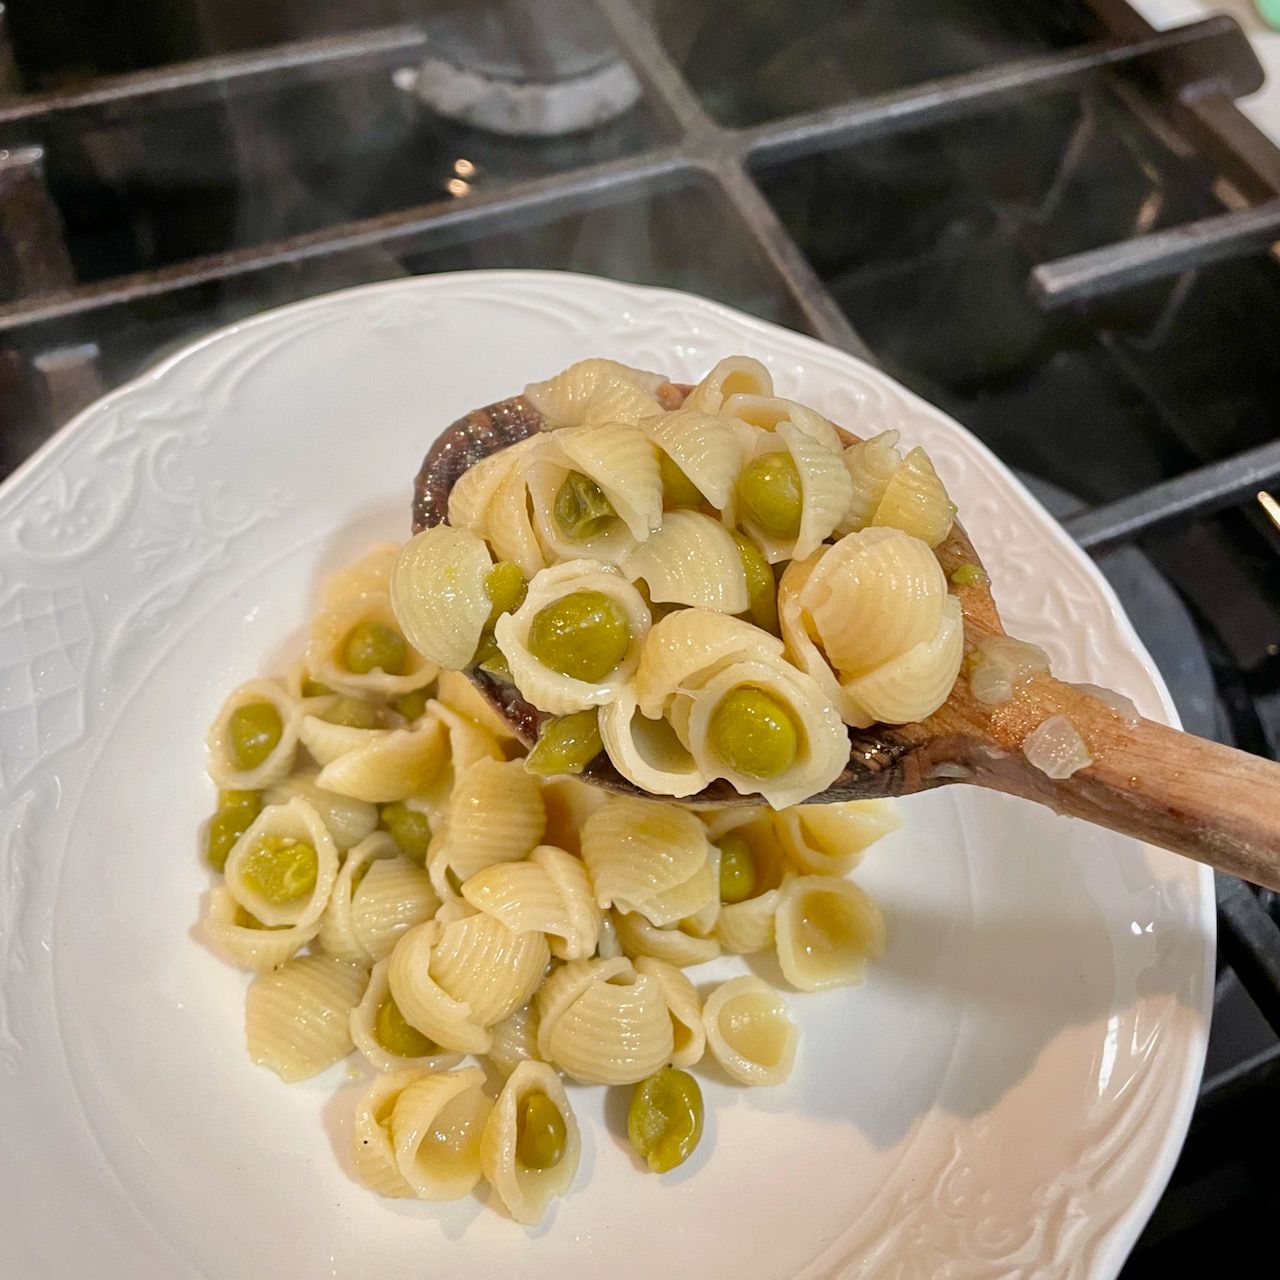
555,691
378,1030
676,944
603,1023
706,448
647,750
749,1031
686,648
692,499
688,1036
873,596
825,493
394,764
768,413
624,463
492,500
242,940
735,375
746,925
568,804
874,609
251,773
915,683
829,839
896,492
496,814
649,858
297,1017
327,741
283,867
528,1189
338,655
337,932
801,649
395,895
471,709
369,576
438,594
436,1125
595,391
827,930
691,560
453,979
348,821
821,743
514,1039
467,743
549,893
691,662
423,1003
372,1151
718,588
607,540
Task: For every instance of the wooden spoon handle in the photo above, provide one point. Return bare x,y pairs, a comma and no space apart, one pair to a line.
1212,803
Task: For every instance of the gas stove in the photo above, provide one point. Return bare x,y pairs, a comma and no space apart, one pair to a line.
1047,217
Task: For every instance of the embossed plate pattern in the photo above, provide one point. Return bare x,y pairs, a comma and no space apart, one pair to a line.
1004,1096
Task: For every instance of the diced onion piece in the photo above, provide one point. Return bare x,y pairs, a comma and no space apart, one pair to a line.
1122,706
1056,748
1001,664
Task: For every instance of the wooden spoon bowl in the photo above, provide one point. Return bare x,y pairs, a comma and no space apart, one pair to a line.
1198,798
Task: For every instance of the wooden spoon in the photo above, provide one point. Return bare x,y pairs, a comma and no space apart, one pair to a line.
1198,798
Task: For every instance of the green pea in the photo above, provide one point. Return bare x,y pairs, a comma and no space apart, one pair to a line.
968,575
583,635
737,869
491,660
506,588
354,713
566,745
754,733
373,646
412,704
762,590
314,689
581,507
396,1036
280,869
225,828
409,829
664,1120
677,489
255,730
540,1132
770,494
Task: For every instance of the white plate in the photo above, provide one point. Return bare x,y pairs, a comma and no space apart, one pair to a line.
1005,1095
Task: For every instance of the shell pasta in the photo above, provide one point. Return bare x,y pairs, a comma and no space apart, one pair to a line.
436,1126
705,588
528,1185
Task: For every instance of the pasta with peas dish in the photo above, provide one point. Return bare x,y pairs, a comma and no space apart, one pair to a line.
694,583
